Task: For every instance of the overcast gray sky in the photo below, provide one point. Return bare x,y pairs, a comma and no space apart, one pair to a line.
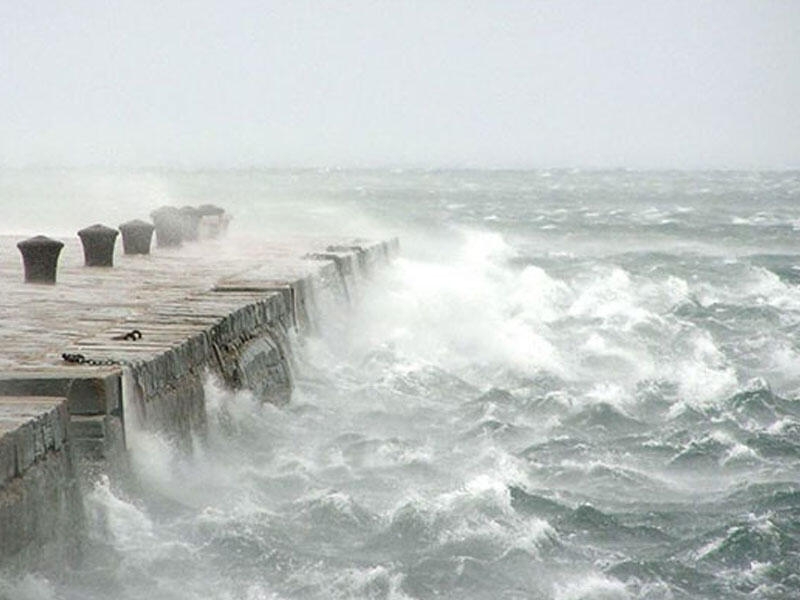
667,83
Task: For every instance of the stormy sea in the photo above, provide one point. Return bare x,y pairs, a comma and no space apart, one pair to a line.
572,385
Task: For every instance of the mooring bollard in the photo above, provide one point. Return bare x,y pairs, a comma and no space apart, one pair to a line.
40,258
190,223
136,236
206,210
98,245
168,225
212,219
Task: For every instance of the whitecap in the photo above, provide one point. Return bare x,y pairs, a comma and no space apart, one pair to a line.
591,587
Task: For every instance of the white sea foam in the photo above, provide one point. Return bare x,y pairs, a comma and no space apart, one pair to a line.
704,374
369,582
471,307
126,525
738,452
27,587
373,484
591,587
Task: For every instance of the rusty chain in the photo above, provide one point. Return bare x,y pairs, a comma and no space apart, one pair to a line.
80,359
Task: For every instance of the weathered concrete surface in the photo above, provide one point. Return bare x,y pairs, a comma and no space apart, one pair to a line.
224,307
39,495
87,390
199,307
31,427
38,322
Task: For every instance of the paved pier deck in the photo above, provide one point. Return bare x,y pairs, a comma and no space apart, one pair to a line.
40,322
224,306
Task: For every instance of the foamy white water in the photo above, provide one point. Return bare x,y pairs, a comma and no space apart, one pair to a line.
571,386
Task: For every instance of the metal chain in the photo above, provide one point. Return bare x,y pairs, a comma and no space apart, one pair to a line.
80,359
132,335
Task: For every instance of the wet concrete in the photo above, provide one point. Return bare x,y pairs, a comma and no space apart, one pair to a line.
224,308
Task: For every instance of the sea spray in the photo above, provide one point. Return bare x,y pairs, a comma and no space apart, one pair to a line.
572,385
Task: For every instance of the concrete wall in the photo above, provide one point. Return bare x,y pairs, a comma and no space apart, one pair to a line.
243,341
40,501
92,401
64,425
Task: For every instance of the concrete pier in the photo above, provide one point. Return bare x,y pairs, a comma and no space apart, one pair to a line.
139,340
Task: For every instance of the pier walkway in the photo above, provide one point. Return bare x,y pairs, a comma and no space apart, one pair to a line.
222,306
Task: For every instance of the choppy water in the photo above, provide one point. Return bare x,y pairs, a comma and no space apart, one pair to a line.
574,385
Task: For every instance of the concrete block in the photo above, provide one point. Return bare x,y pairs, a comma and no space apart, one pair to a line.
82,427
91,449
38,426
88,391
48,425
24,444
93,396
8,453
59,419
30,427
34,383
97,438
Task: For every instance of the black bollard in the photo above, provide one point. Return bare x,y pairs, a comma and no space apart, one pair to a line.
40,258
136,236
98,245
190,223
212,219
169,226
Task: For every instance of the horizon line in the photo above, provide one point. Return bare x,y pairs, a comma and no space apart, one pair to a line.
395,168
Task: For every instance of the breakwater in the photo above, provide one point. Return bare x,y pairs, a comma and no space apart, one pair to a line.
137,341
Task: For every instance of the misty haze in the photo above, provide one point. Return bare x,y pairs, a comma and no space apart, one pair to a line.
575,377
419,84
